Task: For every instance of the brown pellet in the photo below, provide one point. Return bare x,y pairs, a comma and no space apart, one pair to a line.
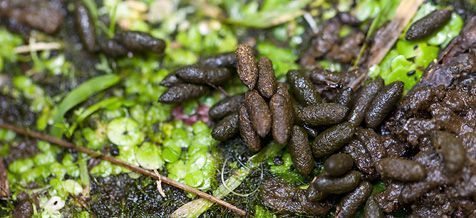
350,203
85,27
247,132
363,100
182,92
332,139
266,80
300,151
259,112
322,114
226,128
204,75
226,106
428,24
302,88
282,118
401,169
383,103
246,65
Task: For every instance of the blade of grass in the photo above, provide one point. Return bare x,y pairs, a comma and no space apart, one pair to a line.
93,108
271,17
78,95
196,207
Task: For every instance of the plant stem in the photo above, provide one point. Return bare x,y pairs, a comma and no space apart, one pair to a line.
94,154
196,207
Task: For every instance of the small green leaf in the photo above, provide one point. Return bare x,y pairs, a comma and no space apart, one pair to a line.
149,156
80,94
268,17
194,179
124,132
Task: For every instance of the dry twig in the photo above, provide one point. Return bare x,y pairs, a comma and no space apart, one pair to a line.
94,154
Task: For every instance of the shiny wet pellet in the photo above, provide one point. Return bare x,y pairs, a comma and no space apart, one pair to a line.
338,185
363,100
428,24
226,106
332,139
140,42
220,60
226,128
182,92
302,88
350,203
204,75
171,80
383,103
300,151
338,164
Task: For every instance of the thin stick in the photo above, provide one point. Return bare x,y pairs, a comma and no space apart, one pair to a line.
39,46
404,13
113,160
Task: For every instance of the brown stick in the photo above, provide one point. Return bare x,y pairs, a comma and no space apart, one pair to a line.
4,188
113,160
404,13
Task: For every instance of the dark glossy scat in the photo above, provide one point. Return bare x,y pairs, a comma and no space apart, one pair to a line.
282,118
338,164
372,209
363,100
338,185
311,131
226,106
302,88
259,112
428,24
85,27
226,128
171,80
267,83
401,169
313,194
350,203
204,75
383,103
247,132
111,47
332,139
322,114
300,151
221,60
246,66
140,42
182,92
345,97
452,150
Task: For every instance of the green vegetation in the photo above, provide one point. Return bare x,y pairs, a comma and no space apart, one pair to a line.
114,108
407,60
